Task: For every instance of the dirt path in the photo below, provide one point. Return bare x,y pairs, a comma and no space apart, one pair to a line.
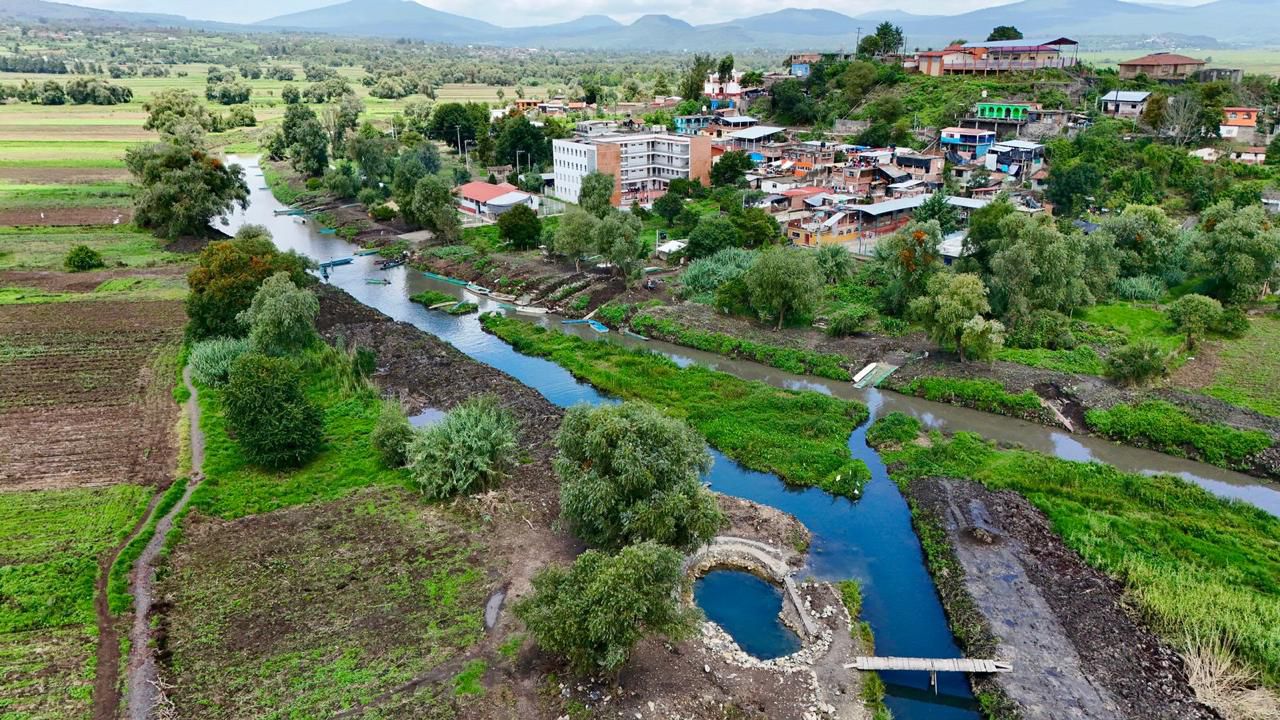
143,676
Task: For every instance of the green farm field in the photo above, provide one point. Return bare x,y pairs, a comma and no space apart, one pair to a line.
1261,61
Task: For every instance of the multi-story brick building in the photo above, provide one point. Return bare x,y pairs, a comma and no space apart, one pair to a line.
642,164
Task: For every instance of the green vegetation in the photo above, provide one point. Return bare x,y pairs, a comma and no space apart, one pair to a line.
50,542
432,297
1081,359
1165,427
986,395
82,258
227,276
629,474
893,429
801,436
234,487
282,317
1196,565
468,681
268,413
59,197
44,248
593,612
792,360
118,583
211,359
1239,378
472,449
391,434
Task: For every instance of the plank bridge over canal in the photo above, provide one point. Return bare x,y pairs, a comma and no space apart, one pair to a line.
933,666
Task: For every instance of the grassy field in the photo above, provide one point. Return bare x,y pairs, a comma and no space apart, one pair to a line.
1262,61
45,248
801,436
50,542
97,194
1196,565
234,488
1247,372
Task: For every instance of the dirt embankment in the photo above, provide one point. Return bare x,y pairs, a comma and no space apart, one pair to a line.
67,216
661,680
1076,649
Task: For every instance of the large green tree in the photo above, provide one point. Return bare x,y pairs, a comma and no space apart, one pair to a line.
269,415
618,239
784,282
950,301
731,168
518,135
594,612
1037,267
282,317
596,194
181,188
630,473
1193,315
712,234
227,276
575,236
1004,32
907,259
521,227
176,112
1241,248
937,207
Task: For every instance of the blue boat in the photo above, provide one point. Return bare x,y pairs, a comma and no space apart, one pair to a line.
445,278
328,231
598,326
336,263
573,322
370,251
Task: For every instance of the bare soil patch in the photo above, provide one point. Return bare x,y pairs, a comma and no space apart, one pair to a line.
61,175
67,216
1078,650
42,673
56,281
87,399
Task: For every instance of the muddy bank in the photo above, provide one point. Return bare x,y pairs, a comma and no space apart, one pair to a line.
686,679
1017,593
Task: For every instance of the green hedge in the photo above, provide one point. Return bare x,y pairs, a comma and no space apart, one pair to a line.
800,362
1165,427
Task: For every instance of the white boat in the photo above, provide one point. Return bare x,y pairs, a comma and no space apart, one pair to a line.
530,310
478,289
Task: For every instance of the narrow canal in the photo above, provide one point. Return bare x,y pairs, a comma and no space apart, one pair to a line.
871,540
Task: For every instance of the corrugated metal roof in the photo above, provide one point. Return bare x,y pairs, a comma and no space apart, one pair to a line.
911,203
1023,43
1126,96
756,133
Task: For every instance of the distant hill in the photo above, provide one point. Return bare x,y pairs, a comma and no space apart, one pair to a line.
1232,21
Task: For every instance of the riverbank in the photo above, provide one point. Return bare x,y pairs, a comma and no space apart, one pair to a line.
1048,397
1040,560
295,607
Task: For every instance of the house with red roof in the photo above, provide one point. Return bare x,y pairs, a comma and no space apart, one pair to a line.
486,200
1161,66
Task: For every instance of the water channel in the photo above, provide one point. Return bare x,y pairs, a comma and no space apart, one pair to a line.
871,540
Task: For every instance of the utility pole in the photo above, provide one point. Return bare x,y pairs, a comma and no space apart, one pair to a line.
458,130
857,43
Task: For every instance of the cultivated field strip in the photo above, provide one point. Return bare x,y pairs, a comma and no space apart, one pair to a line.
86,400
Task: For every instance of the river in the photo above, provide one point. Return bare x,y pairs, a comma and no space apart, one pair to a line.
871,540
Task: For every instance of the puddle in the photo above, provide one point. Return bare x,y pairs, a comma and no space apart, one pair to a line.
492,608
427,418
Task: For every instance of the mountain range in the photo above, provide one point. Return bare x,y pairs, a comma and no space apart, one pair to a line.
1230,21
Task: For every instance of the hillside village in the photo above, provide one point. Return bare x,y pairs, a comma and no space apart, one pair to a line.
368,362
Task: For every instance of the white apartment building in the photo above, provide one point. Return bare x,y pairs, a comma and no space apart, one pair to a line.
642,164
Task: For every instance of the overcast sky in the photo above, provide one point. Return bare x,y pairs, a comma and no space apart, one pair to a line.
537,12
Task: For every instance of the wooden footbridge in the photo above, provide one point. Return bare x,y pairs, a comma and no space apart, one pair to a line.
933,666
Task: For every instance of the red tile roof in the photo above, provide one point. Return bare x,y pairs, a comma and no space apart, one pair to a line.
1164,59
480,191
809,190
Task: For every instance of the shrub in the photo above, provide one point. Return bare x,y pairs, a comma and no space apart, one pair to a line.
369,197
848,320
1193,315
470,449
1043,329
1165,427
593,612
1137,363
705,275
894,428
521,227
1233,322
82,258
391,434
382,213
211,360
630,473
1143,288
268,414
894,326
282,317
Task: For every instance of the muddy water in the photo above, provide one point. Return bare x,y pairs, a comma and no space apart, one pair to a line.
871,540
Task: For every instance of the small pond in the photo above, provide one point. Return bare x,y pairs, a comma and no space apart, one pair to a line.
747,608
427,418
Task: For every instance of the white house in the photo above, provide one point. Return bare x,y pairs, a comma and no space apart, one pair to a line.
1125,103
481,198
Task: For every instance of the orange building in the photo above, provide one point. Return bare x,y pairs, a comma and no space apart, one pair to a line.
1244,117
